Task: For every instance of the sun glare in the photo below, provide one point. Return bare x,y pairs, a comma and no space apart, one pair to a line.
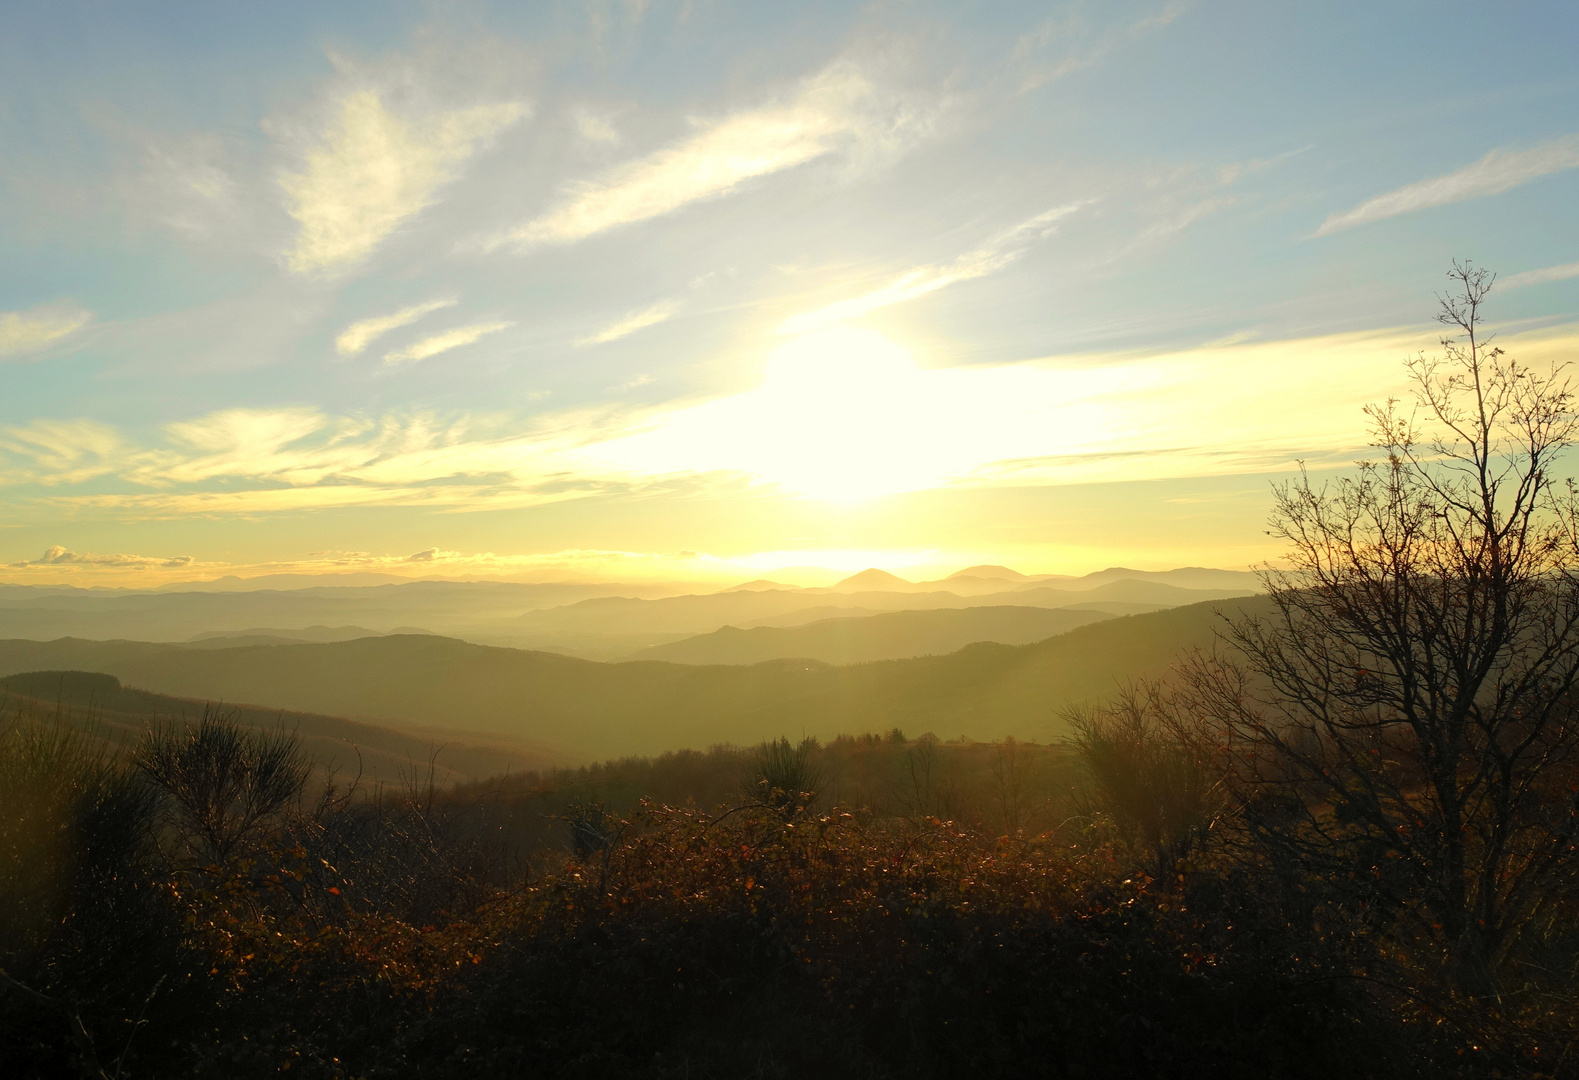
842,415
847,405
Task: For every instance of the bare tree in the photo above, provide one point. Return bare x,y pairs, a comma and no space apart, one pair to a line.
1141,777
925,787
1404,718
1015,778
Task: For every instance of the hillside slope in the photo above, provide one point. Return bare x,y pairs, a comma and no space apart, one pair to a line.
583,708
118,715
892,635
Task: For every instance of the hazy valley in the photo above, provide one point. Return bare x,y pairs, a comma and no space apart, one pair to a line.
580,708
610,621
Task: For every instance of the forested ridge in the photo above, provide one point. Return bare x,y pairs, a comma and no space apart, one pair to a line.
591,709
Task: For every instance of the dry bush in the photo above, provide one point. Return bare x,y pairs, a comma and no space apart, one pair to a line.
1142,780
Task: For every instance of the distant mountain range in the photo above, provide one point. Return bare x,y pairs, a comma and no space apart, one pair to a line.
892,635
677,616
582,709
446,607
597,621
985,579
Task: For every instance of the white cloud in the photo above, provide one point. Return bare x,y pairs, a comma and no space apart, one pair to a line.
362,333
449,339
638,320
1540,277
836,108
991,256
374,170
23,332
1497,172
55,555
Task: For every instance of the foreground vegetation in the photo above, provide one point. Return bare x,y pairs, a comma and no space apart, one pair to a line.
195,909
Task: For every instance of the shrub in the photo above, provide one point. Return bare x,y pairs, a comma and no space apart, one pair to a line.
786,777
224,785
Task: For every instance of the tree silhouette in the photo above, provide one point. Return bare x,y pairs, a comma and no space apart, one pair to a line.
1404,719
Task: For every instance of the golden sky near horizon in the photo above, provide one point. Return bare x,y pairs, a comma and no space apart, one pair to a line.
575,290
844,424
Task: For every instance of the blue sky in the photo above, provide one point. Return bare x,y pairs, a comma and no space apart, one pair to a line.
702,289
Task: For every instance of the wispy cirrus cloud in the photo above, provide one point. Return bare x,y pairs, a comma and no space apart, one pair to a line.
444,342
838,108
326,459
64,451
636,320
231,443
1541,276
263,461
996,253
362,333
373,170
1066,43
256,501
1493,174
24,332
594,127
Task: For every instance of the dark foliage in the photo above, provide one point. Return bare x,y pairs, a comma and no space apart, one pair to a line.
410,932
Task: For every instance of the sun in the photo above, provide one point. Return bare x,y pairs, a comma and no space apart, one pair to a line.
846,411
842,415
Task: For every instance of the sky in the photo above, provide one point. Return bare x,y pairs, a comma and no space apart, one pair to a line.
635,289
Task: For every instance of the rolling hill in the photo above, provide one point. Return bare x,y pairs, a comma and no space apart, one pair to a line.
891,635
118,715
585,709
